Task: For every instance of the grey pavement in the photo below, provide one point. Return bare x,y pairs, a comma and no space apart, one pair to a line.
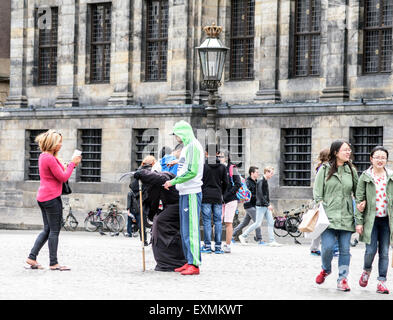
105,267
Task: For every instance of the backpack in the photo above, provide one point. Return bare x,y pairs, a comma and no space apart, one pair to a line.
243,194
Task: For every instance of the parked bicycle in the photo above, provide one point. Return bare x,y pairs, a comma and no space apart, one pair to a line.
111,220
69,223
289,223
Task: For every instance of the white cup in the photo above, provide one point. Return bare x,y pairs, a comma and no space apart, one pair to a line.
77,153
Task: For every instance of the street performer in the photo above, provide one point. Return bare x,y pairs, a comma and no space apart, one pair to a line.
166,240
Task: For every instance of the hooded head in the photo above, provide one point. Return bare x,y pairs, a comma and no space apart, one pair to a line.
184,131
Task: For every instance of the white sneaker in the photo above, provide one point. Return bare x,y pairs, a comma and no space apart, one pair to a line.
242,239
274,244
226,248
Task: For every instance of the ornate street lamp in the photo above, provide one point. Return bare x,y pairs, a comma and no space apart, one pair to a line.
212,55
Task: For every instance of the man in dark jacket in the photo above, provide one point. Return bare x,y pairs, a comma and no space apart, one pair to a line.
215,182
250,207
263,209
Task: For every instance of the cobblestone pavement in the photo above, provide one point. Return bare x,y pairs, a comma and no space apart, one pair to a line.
105,267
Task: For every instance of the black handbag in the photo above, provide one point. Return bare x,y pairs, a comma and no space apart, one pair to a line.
66,188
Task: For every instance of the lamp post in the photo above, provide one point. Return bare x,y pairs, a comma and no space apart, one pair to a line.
212,55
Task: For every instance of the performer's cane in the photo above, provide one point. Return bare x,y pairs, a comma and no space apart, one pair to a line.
141,224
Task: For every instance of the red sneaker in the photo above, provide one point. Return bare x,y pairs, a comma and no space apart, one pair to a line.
184,267
381,288
321,277
363,281
191,270
343,285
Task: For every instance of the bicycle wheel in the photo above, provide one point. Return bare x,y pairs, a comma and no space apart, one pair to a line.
292,226
279,232
64,224
122,222
112,224
72,222
88,223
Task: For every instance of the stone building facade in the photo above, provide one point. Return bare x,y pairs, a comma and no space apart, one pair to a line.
114,76
5,24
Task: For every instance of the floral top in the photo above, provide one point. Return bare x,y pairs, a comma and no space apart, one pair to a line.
381,201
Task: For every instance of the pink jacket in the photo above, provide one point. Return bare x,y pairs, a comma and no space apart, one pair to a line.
52,176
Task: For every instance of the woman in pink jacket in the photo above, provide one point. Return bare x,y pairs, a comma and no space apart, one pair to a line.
52,176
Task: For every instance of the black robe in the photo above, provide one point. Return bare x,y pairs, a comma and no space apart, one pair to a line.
166,240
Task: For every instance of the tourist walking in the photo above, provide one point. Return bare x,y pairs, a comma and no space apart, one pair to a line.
250,207
230,198
189,184
52,176
334,185
374,216
263,209
215,182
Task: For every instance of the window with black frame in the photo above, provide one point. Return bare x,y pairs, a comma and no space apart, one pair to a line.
145,143
90,143
32,154
100,42
296,157
242,39
377,50
363,140
47,51
233,140
156,55
307,38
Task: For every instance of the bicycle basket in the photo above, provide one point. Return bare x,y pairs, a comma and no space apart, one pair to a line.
279,222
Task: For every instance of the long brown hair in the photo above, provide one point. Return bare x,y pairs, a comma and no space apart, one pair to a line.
334,149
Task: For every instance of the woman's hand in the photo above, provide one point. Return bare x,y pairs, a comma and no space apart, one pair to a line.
76,160
359,229
361,206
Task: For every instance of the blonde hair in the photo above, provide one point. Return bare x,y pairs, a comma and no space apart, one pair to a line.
268,169
149,160
47,141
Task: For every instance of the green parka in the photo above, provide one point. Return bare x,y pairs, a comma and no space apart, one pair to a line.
336,195
366,191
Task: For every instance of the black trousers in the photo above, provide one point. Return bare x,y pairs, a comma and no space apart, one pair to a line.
52,214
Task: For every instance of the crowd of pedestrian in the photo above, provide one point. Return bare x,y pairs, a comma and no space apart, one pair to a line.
190,182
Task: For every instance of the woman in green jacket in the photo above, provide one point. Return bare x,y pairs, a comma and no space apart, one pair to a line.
374,197
334,185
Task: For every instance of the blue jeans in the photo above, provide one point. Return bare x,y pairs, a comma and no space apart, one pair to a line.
380,240
328,241
260,214
207,209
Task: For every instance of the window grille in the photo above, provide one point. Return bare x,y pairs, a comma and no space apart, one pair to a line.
377,52
307,38
32,154
145,143
297,157
242,39
156,40
234,142
47,52
363,140
100,42
90,143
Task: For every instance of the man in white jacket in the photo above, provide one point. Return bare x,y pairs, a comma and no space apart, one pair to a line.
189,184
